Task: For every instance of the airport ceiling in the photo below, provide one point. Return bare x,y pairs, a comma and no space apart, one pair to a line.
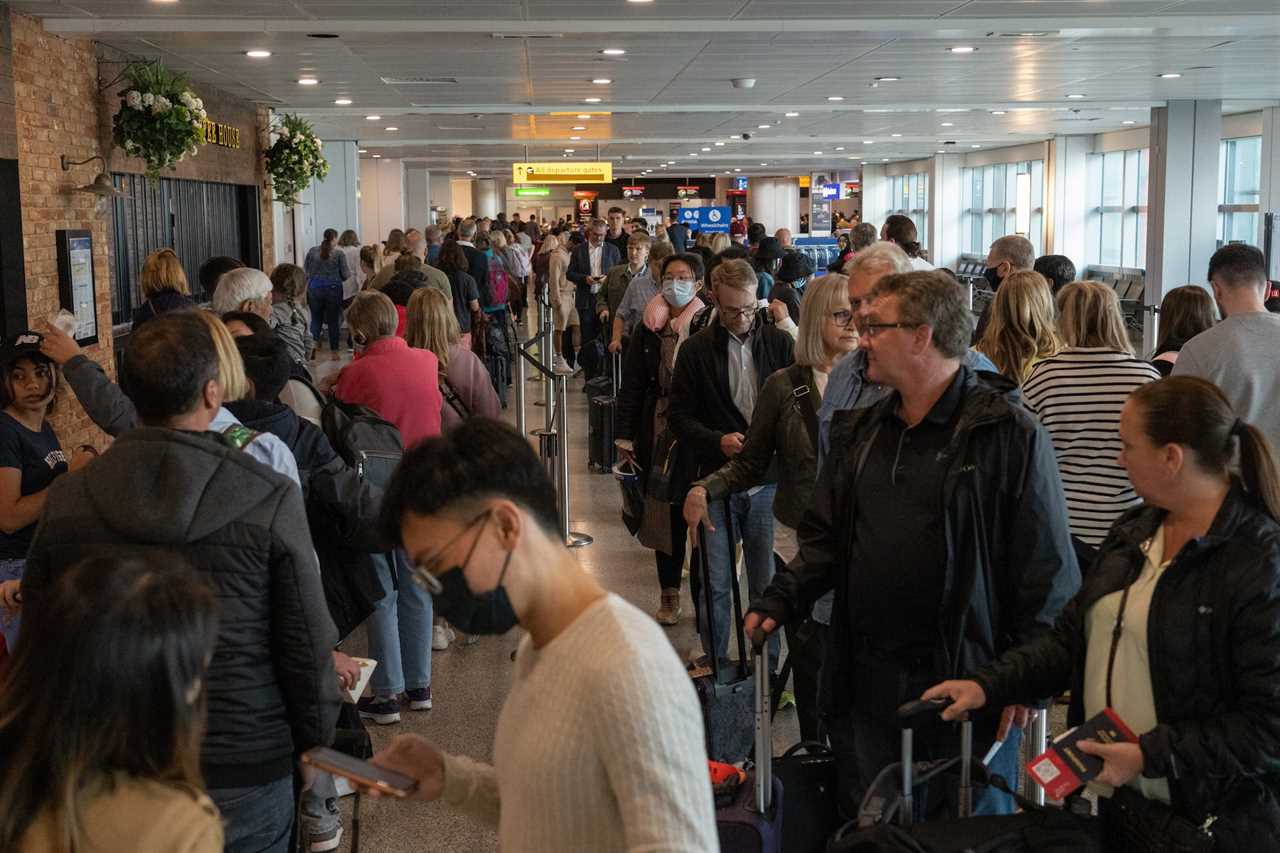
476,84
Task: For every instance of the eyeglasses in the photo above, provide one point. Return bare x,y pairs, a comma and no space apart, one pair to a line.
842,318
871,330
731,313
421,571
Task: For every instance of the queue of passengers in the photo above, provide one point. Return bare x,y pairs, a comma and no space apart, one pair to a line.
923,508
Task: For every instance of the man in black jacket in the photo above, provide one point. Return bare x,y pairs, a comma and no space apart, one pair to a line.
718,375
939,520
477,261
589,264
169,486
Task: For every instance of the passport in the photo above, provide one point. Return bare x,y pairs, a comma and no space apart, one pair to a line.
1063,768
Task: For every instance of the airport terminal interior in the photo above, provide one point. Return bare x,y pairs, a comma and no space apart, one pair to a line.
947,307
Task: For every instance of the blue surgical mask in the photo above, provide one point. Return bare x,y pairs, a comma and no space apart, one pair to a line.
679,292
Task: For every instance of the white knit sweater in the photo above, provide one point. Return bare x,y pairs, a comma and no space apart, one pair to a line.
599,746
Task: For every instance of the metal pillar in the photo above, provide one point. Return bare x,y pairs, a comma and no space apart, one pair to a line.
571,538
1037,743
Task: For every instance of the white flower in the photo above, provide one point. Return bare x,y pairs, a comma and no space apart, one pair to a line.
199,104
134,99
148,99
200,112
187,100
162,105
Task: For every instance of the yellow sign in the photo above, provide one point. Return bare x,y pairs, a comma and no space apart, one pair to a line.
567,172
221,134
804,182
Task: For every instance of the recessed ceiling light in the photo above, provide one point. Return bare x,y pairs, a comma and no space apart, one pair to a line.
997,112
373,118
691,154
1075,97
584,115
575,138
391,129
854,157
839,147
662,165
602,81
835,97
884,159
764,126
1130,121
708,148
818,153
363,151
948,124
308,81
867,141
939,151
568,150
671,162
793,115
963,48
895,134
1172,75
737,170
764,164
591,100
733,136
613,51
888,79
952,110
578,127
342,102
975,145
377,156
257,54
719,144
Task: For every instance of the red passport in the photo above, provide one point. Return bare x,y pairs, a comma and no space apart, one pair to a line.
1063,768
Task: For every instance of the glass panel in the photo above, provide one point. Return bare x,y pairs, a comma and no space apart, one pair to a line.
1113,179
1244,165
1111,239
1144,168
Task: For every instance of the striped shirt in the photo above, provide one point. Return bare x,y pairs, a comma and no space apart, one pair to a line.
1077,395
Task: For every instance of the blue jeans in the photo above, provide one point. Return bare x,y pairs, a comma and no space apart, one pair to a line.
257,819
753,527
400,631
326,308
320,804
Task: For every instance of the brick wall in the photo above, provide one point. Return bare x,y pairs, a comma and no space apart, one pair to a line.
56,87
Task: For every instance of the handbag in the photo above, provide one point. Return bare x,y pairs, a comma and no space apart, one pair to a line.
451,397
660,495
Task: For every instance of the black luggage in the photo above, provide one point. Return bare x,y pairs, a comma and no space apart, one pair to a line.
365,440
726,693
601,453
753,821
812,814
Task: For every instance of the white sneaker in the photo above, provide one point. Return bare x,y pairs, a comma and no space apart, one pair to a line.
439,638
453,635
559,365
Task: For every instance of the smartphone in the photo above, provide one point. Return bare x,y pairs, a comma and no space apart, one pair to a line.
362,772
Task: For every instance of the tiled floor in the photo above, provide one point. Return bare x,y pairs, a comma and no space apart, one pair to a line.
470,682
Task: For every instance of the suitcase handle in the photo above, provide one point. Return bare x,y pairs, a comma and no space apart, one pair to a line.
911,714
764,722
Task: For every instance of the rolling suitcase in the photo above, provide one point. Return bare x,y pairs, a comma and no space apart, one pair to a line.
601,453
725,692
752,821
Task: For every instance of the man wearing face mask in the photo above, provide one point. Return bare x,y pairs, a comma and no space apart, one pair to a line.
599,744
717,380
588,266
1008,255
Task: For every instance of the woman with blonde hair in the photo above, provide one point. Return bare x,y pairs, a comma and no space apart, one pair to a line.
164,286
1022,329
1078,394
432,325
562,293
717,243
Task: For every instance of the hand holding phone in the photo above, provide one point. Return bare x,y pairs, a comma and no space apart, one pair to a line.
369,778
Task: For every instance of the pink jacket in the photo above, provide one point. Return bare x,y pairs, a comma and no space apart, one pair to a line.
470,380
398,382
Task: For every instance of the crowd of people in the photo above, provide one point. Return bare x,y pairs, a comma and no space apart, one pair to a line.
994,510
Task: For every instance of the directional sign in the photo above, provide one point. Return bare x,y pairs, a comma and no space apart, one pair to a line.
706,219
532,192
567,172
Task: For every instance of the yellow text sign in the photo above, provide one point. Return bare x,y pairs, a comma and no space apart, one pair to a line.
567,172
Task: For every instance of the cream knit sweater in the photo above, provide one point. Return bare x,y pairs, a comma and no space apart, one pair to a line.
599,746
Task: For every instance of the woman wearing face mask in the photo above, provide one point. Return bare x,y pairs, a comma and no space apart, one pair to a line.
30,458
784,425
599,745
641,427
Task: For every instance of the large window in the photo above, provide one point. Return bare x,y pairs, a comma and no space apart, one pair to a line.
1239,189
1001,199
909,196
1116,228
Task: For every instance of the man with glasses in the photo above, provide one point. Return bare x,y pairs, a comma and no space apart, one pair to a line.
718,376
939,522
589,264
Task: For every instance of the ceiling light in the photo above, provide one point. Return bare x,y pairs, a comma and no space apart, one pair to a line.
363,151
342,102
592,100
602,81
1130,121
613,51
952,110
854,157
391,129
764,164
691,154
948,124
939,151
575,138
737,170
764,126
706,149
888,79
719,144
1170,76
257,54
997,112
671,162
895,134
884,160
726,171
578,127
377,156
373,118
584,115
964,48
817,153
733,136
835,97
975,145
568,150
867,141
1075,97
793,115
662,165
308,81
839,147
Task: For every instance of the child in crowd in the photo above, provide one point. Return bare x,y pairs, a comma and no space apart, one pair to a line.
290,316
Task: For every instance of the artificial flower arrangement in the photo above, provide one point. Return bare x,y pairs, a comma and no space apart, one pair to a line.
160,119
294,158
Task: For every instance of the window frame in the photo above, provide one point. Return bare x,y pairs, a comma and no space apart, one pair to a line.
989,204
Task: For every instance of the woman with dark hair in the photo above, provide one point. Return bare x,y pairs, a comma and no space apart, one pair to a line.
1174,630
326,269
466,294
766,259
901,230
106,756
1184,313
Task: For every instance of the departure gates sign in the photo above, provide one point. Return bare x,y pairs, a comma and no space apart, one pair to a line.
565,172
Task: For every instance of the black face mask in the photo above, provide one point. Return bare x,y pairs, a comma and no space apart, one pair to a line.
485,613
992,275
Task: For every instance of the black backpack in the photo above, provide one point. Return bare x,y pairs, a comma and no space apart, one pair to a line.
364,439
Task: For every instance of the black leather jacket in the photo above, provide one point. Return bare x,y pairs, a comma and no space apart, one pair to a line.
1010,566
1213,647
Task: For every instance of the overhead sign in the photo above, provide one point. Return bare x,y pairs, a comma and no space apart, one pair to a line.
567,172
710,220
687,192
532,192
589,195
851,189
804,182
221,134
740,183
633,192
830,192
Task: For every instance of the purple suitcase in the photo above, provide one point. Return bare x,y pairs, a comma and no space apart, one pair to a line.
752,823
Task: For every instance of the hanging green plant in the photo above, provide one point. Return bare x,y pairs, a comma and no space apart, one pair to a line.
160,119
294,158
